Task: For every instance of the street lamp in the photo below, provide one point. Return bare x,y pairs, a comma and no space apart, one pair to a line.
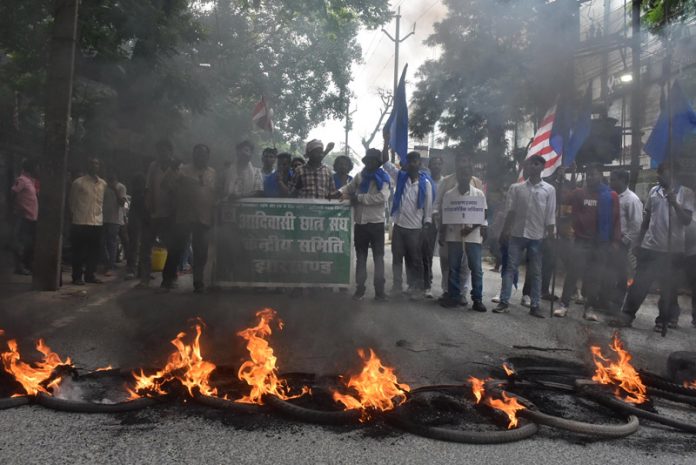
626,78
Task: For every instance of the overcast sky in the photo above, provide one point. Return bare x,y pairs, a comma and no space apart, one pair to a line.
377,70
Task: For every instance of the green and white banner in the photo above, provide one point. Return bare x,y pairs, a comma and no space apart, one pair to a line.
285,243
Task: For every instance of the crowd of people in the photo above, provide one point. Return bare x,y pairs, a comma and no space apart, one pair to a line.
609,246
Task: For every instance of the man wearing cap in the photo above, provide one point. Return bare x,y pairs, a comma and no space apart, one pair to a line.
412,211
313,180
530,216
368,192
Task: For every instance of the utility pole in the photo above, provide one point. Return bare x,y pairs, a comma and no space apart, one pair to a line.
61,66
636,94
397,40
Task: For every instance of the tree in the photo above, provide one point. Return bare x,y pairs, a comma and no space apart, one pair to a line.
298,54
501,61
386,97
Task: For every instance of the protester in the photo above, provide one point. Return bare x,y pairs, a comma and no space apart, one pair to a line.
670,206
276,184
159,209
531,216
135,225
114,200
430,239
313,180
25,202
412,212
243,179
368,192
690,265
193,186
342,166
297,162
86,202
445,184
595,214
463,239
268,161
631,219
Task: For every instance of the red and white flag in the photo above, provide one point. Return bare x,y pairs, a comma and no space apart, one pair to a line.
262,116
541,144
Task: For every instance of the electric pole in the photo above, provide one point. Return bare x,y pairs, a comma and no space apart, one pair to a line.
47,261
636,94
397,40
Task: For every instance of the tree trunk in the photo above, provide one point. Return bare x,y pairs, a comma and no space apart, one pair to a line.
47,261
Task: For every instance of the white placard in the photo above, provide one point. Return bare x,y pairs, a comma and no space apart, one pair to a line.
463,209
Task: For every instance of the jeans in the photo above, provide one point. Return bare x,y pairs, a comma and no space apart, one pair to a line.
200,238
24,237
655,266
515,248
85,242
366,236
407,244
110,245
548,265
464,274
429,241
473,254
590,261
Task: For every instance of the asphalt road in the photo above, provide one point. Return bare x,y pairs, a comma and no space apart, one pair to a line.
115,324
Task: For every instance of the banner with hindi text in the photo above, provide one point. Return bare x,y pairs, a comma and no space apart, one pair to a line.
284,243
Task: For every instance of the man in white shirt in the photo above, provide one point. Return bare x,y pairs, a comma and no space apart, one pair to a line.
114,200
243,179
463,238
658,256
530,216
86,201
631,214
445,184
412,213
193,186
368,192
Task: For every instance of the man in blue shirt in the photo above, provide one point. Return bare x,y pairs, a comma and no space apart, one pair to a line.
276,183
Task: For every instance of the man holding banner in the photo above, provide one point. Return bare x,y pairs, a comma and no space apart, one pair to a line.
464,225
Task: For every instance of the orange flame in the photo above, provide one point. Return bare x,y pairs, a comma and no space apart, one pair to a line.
106,368
376,385
186,364
619,373
261,372
690,384
32,376
477,388
507,405
508,370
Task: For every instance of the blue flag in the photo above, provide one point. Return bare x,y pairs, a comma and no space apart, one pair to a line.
397,124
568,136
683,120
581,129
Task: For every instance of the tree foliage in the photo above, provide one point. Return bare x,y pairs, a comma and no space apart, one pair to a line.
139,75
500,60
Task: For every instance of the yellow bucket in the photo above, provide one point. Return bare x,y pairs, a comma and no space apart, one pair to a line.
158,258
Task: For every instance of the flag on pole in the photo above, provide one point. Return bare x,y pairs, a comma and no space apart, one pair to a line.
541,144
397,124
683,123
262,116
567,134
